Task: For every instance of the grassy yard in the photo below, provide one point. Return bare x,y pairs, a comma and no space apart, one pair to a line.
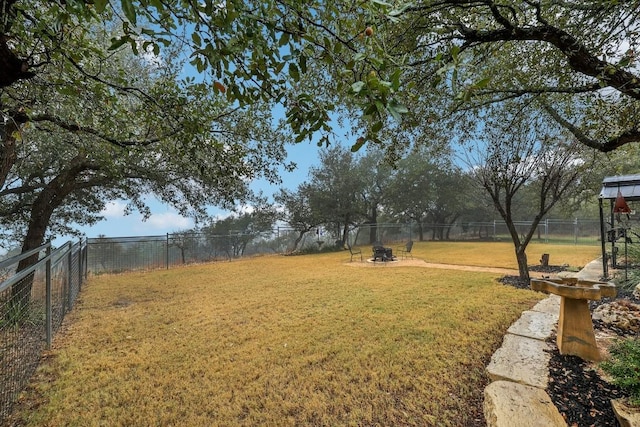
501,254
277,340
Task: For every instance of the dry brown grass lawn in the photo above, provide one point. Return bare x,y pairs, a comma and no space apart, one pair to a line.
277,341
501,254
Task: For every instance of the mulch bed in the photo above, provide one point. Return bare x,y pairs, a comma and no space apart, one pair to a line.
580,394
575,386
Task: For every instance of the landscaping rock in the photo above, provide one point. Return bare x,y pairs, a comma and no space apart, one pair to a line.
534,324
636,291
627,417
522,360
621,314
551,304
509,404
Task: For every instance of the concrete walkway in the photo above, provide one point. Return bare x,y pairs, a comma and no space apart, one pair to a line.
520,368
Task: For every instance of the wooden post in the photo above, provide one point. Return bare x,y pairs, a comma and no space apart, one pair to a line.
544,261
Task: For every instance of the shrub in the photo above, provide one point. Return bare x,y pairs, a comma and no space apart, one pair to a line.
624,367
318,248
627,286
633,251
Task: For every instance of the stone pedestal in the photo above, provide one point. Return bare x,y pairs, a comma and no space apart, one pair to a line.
575,330
575,327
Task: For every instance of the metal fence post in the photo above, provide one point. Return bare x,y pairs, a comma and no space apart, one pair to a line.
79,265
575,231
85,258
48,315
546,230
69,298
167,252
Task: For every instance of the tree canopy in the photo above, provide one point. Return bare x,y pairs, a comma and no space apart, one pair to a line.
419,63
574,61
123,126
523,162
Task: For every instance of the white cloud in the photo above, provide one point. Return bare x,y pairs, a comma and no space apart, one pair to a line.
113,210
169,221
246,209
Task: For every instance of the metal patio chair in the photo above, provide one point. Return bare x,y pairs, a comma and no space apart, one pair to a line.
405,250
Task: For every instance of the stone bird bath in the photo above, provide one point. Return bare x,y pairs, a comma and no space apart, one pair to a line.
575,327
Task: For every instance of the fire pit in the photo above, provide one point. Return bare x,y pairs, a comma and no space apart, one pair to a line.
575,328
383,254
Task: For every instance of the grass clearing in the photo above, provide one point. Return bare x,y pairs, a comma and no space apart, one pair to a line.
279,341
501,254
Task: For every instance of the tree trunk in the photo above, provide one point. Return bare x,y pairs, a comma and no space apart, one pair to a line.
520,248
8,152
450,225
523,268
345,232
373,228
297,241
12,68
50,198
243,247
41,212
373,232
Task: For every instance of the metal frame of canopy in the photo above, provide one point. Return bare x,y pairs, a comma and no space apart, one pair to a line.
618,190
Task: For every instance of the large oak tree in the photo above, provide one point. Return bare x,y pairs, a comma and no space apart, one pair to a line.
122,127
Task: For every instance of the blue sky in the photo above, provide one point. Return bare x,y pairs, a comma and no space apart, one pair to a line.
164,219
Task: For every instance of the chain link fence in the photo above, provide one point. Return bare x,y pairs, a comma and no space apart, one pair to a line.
33,303
121,254
576,231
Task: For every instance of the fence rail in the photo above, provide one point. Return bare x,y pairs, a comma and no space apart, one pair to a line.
33,303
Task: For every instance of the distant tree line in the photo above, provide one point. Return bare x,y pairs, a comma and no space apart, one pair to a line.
523,179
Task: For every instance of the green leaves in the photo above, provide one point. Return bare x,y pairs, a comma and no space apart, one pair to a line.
129,10
263,50
624,366
294,72
100,5
284,39
357,87
117,42
396,109
358,144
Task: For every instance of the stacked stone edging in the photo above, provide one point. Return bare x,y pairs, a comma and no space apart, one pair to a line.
511,404
520,368
520,372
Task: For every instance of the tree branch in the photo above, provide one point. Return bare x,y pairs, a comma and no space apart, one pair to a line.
577,54
629,135
71,127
